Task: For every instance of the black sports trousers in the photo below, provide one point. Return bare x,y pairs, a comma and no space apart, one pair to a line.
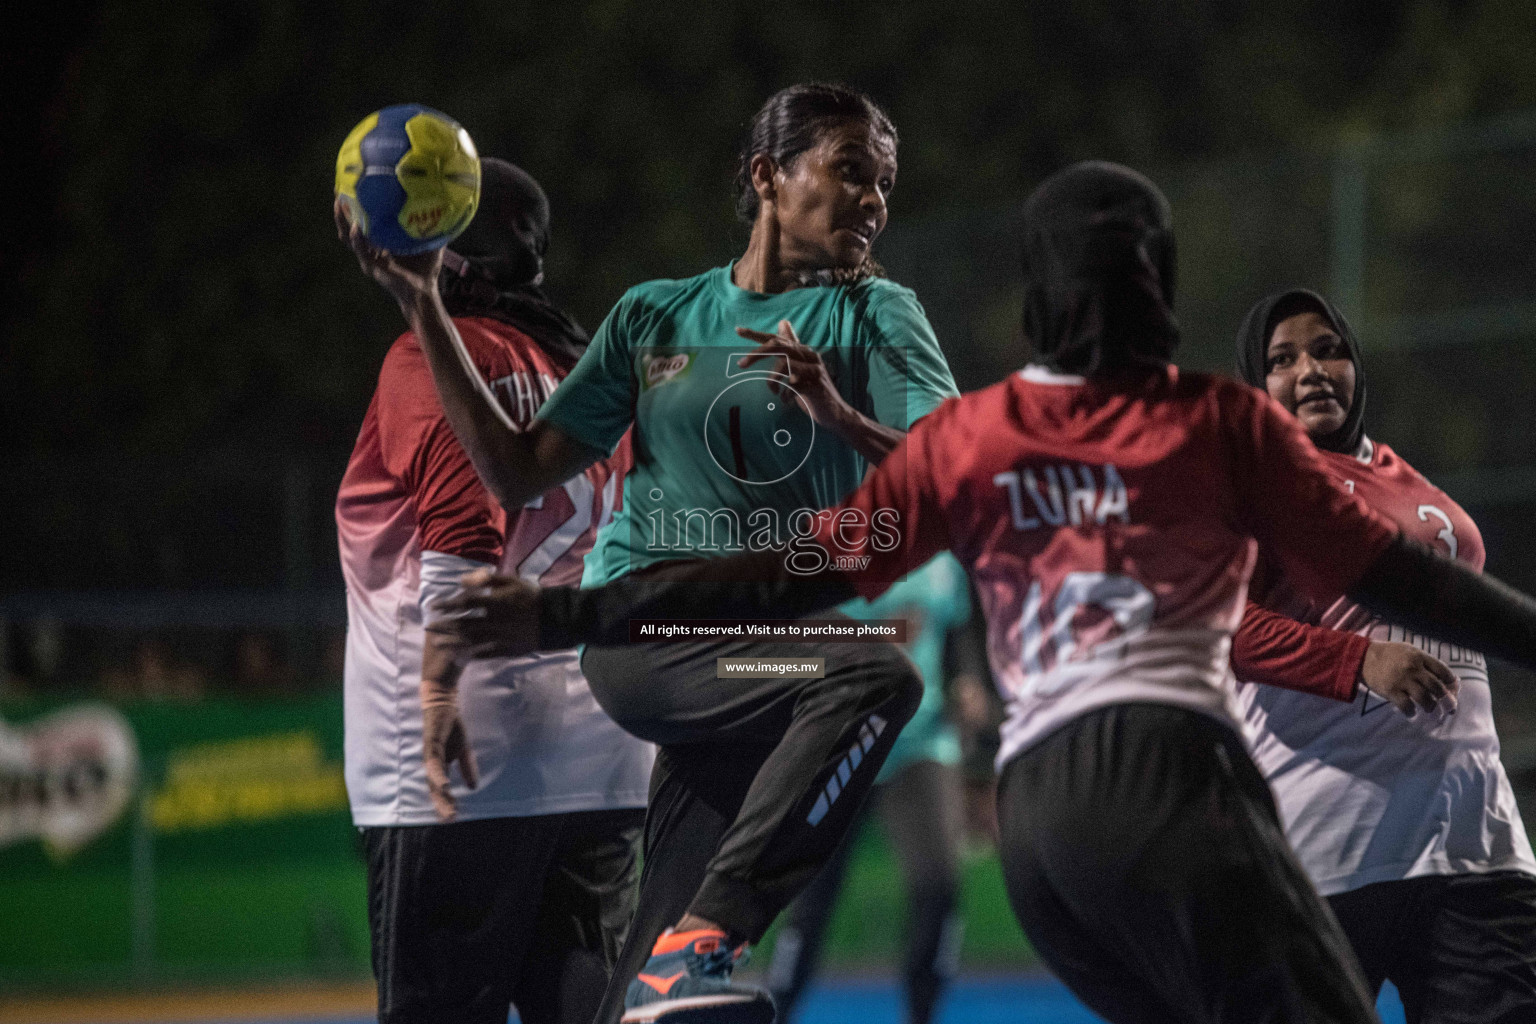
470,917
921,808
756,780
1143,855
1461,949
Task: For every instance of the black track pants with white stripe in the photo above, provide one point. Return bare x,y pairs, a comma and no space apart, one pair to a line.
757,780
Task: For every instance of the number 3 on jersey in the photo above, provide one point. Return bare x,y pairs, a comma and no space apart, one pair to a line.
1127,612
1448,534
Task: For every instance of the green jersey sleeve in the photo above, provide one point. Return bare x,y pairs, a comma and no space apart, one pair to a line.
908,375
595,403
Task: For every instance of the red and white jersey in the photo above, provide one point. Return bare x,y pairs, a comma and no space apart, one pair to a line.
411,517
1109,532
1368,795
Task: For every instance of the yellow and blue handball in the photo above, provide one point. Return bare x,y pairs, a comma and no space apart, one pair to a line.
411,177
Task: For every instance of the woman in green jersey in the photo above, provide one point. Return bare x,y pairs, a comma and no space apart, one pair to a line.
758,393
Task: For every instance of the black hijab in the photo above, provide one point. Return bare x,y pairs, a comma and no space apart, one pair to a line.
1099,272
496,267
1253,355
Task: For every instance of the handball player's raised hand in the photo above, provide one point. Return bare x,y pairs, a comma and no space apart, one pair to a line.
492,617
410,279
803,366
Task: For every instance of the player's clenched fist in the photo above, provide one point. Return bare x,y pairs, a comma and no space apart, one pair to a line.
1409,678
492,617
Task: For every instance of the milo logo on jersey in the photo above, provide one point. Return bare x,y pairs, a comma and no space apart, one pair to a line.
657,368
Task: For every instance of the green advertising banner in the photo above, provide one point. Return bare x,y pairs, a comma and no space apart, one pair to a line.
217,846
210,843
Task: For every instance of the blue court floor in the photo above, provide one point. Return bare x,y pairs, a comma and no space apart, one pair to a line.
1005,1001
972,1001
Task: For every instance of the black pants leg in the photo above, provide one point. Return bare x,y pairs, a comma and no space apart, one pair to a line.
797,950
468,916
1143,856
763,776
828,739
1459,948
696,791
589,898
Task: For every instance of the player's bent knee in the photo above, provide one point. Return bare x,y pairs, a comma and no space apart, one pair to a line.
880,678
890,678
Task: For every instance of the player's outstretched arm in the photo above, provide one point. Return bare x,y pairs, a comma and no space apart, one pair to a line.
502,616
1417,588
1275,650
515,466
892,521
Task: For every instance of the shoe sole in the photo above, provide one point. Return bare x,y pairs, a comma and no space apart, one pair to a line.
732,1008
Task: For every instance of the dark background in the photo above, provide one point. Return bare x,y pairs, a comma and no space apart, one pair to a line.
188,352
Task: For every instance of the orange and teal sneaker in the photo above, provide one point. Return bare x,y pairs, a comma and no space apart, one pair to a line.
687,980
